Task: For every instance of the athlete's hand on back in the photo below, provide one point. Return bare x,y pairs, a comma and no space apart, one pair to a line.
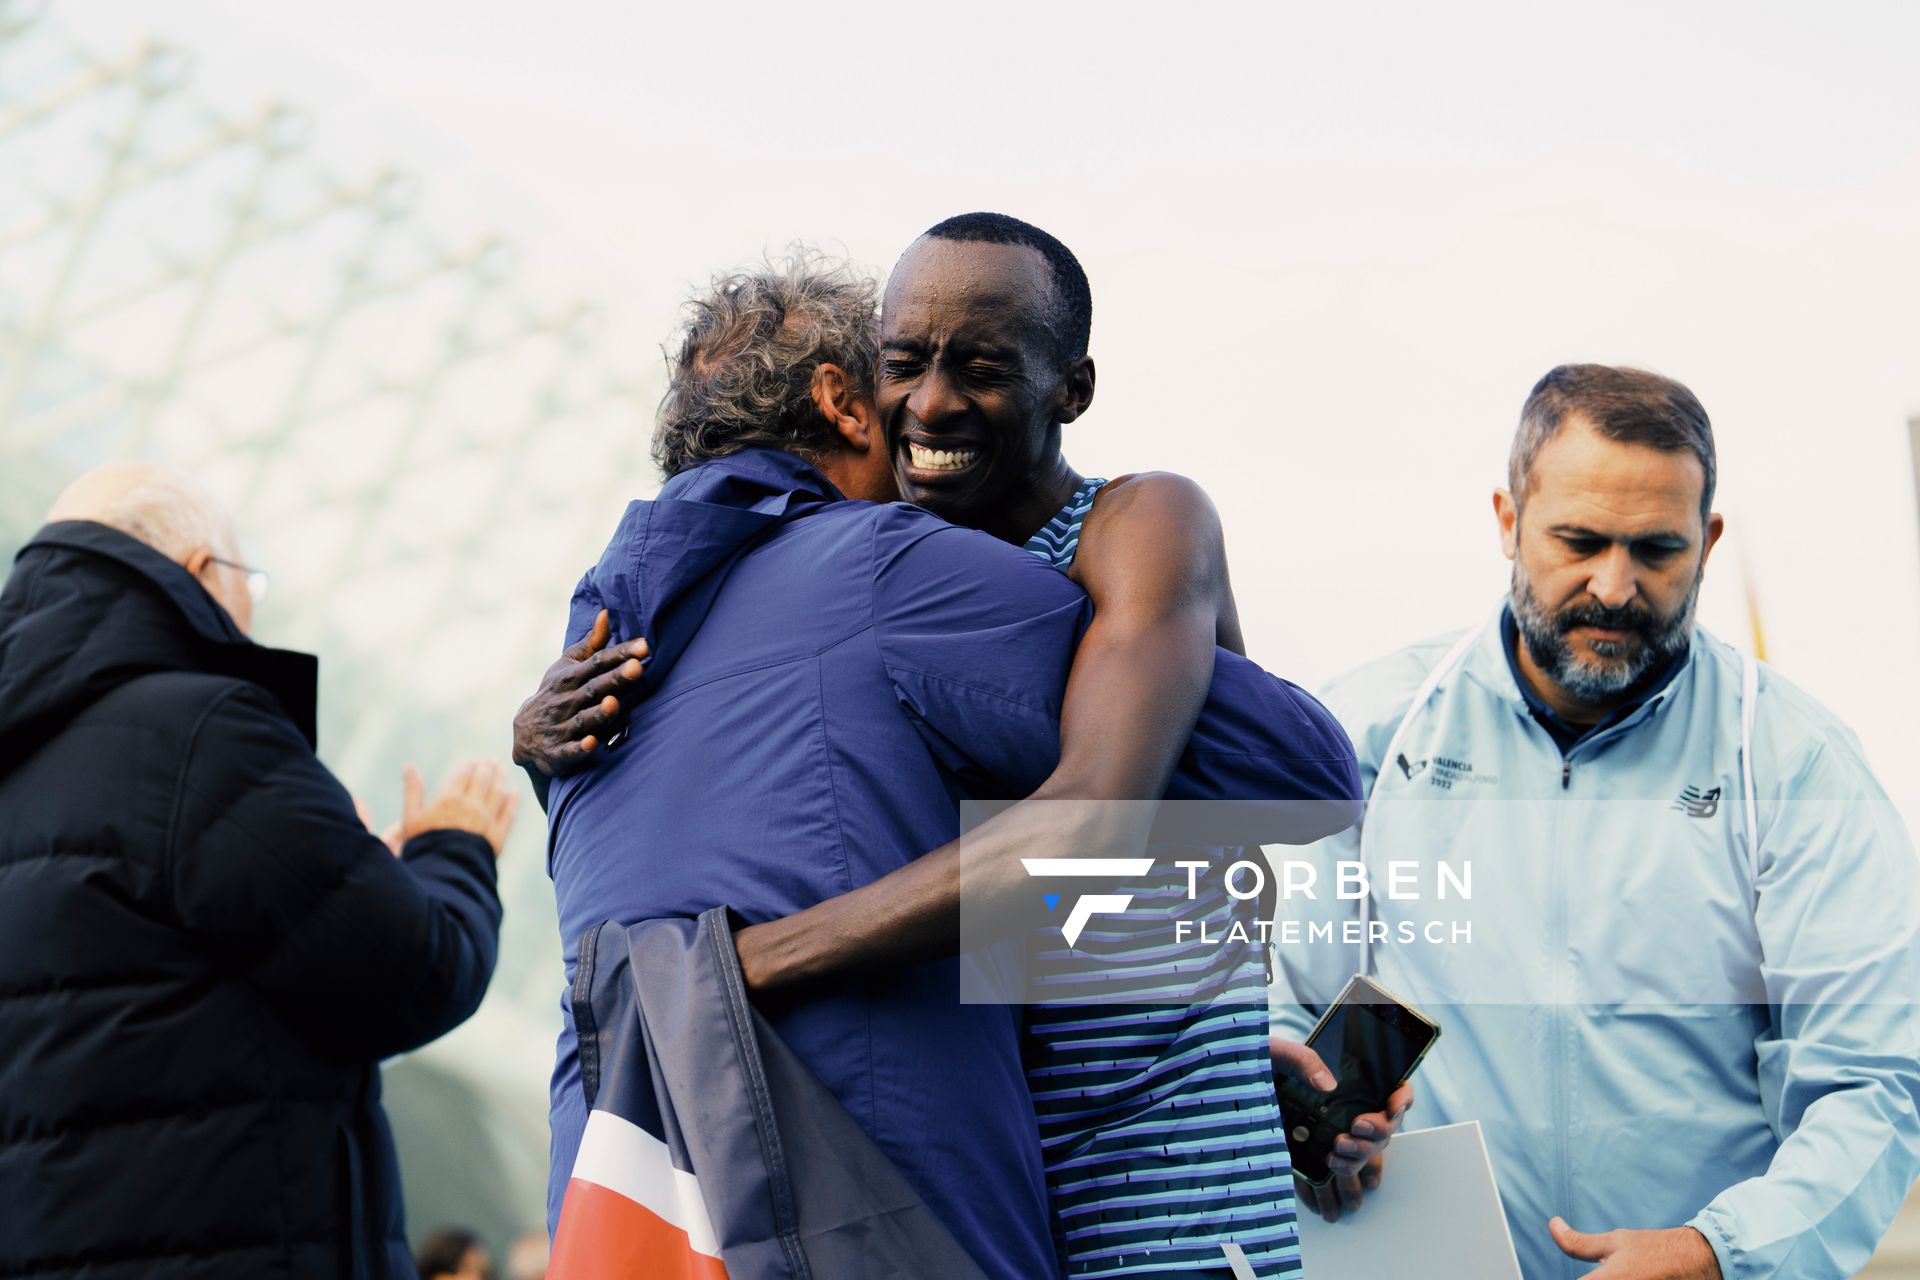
563,724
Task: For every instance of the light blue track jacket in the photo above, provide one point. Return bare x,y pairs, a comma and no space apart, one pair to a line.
1662,1018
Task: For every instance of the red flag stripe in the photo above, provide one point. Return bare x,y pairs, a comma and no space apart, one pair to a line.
620,1157
605,1236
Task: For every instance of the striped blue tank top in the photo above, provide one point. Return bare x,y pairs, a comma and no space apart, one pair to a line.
1158,1123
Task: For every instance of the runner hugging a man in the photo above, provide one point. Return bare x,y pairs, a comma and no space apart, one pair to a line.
1158,1125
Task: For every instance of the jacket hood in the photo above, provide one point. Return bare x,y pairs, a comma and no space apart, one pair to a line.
88,608
670,555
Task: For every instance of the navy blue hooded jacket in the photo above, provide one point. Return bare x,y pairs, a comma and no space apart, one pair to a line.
829,680
203,953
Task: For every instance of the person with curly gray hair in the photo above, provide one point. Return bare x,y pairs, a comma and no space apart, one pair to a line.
749,351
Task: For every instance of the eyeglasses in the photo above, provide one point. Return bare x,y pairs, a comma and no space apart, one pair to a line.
257,579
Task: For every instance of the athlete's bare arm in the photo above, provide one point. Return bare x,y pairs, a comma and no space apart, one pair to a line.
1133,514
1154,562
1152,559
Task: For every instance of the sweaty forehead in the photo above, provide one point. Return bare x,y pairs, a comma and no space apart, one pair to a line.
961,289
1610,486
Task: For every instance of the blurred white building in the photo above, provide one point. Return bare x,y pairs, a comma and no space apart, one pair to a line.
401,425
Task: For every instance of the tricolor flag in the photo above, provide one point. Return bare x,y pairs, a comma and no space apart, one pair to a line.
630,1211
710,1151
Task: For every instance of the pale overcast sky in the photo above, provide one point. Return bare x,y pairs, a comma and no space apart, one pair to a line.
1331,246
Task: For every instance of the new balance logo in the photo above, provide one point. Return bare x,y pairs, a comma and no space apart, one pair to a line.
1088,905
1696,803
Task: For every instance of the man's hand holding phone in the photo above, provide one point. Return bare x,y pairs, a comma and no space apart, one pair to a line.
1357,1161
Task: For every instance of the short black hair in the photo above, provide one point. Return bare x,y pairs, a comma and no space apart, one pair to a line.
1073,297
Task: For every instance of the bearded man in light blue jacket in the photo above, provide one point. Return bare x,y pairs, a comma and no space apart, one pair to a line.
1680,998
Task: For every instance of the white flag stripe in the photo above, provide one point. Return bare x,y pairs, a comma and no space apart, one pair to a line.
624,1158
1087,866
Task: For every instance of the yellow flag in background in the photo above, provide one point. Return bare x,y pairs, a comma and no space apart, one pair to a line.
1753,605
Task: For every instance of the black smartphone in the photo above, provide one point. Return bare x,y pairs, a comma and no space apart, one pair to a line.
1371,1040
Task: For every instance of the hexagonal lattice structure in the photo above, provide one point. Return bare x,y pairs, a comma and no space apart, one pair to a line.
423,451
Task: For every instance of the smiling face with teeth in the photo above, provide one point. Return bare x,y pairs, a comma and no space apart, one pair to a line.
921,458
972,388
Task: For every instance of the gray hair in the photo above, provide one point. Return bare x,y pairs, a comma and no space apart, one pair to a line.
749,346
1632,406
162,506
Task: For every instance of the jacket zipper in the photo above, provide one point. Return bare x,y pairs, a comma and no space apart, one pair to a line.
1560,1032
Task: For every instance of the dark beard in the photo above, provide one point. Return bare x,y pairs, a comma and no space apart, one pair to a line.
1618,680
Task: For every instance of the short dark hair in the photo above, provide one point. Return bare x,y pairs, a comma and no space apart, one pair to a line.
1072,321
442,1252
1632,406
743,376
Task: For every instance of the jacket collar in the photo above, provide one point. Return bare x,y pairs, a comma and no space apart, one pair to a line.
201,612
212,641
670,556
1487,665
769,481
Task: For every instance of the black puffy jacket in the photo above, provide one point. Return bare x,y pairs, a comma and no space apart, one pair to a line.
203,954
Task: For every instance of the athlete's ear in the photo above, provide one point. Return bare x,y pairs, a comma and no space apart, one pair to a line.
1076,390
850,413
1507,511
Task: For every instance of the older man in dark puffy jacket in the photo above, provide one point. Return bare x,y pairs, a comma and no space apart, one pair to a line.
204,953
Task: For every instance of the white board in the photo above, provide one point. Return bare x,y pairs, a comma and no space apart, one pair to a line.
1436,1215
